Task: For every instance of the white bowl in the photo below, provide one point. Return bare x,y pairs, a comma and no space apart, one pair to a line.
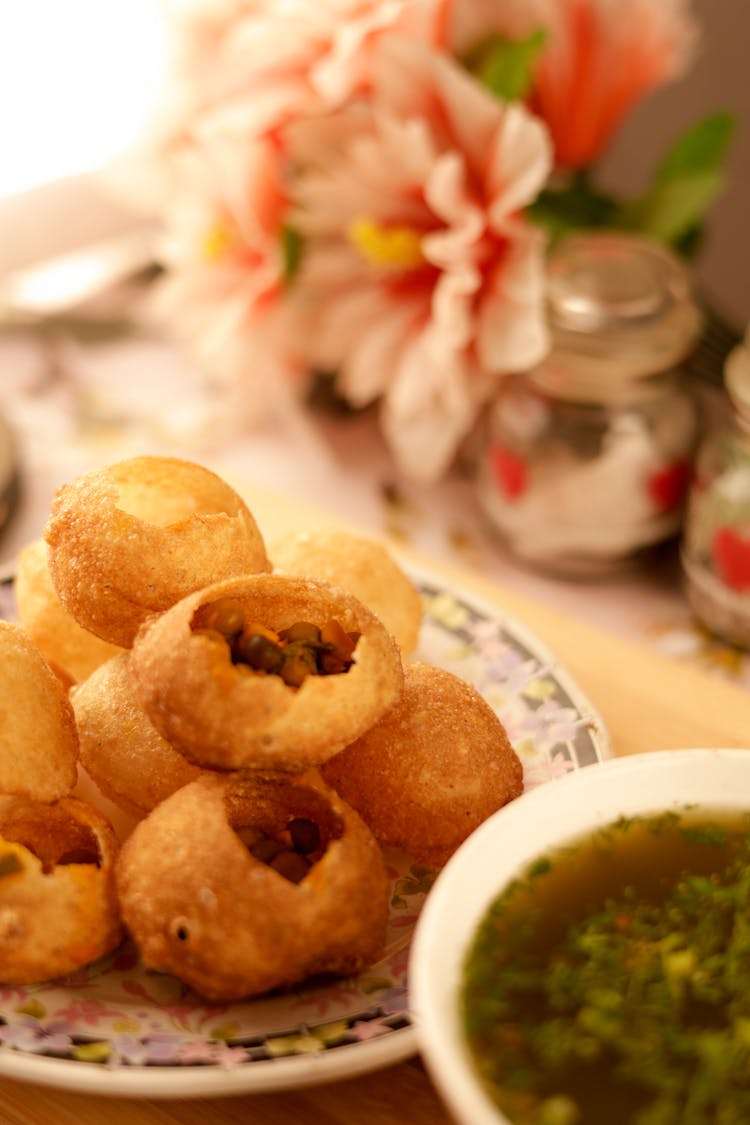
502,848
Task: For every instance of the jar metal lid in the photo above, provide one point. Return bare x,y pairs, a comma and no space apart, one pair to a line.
623,297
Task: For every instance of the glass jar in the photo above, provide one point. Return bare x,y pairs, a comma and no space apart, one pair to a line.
587,458
715,551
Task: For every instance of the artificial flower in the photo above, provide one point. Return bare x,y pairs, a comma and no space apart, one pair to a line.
598,59
363,188
224,291
281,59
424,279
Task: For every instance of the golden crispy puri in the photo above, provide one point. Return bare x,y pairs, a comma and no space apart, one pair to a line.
67,646
432,769
58,905
119,747
359,565
202,906
226,716
38,738
132,538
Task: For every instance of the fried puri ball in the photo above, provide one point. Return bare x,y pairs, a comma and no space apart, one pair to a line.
58,902
38,737
359,565
211,893
197,678
120,749
70,650
132,538
432,769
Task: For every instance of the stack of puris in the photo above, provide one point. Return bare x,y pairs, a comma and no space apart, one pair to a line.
262,723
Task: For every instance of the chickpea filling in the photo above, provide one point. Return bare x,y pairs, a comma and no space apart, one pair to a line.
303,649
291,852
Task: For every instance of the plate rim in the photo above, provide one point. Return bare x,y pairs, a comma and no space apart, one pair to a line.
535,644
347,1060
184,1080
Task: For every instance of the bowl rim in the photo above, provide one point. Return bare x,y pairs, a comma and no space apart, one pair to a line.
503,846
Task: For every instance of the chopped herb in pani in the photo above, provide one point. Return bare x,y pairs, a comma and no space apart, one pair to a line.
612,982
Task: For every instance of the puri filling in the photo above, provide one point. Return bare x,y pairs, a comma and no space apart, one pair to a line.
49,833
288,827
291,852
293,654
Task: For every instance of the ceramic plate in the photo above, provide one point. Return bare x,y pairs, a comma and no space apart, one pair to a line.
117,1029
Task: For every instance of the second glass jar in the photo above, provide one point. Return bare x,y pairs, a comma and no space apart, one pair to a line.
587,458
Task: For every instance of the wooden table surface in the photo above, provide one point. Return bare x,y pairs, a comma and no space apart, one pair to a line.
647,701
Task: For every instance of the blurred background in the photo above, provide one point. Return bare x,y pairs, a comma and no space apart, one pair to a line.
78,78
77,81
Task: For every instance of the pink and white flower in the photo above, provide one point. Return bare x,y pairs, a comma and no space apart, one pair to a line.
600,59
281,59
225,287
354,124
424,279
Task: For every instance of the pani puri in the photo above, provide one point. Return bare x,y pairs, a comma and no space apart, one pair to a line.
38,737
432,769
132,538
226,715
359,565
202,906
58,904
70,650
120,749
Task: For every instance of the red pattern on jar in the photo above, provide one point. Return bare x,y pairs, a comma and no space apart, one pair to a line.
731,555
509,470
667,486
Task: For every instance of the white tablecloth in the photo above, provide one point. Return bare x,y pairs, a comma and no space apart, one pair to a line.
76,405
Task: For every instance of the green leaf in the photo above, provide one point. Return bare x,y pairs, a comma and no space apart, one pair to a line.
686,183
701,149
671,210
505,66
291,249
574,204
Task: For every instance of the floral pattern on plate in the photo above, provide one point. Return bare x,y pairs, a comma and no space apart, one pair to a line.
114,1014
